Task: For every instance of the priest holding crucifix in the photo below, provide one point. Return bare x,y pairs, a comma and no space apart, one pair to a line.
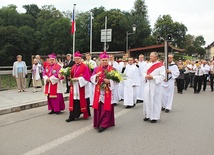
79,94
154,75
103,95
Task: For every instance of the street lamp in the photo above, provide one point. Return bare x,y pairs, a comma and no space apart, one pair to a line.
134,27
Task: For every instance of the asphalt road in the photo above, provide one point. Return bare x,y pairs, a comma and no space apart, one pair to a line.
187,130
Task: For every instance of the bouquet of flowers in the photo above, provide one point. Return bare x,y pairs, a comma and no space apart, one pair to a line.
65,71
90,65
115,76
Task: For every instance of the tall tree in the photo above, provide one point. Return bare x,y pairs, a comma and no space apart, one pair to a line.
9,16
165,25
199,41
140,18
32,9
60,33
10,43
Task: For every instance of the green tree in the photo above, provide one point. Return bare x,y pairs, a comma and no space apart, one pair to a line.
46,17
32,9
27,20
200,51
9,45
9,16
60,33
199,41
27,42
191,50
140,18
165,25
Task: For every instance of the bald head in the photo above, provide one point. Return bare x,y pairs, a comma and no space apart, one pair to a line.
153,56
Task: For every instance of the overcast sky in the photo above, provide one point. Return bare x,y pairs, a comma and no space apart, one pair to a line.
196,15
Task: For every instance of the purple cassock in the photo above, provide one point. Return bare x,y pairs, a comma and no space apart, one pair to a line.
103,118
57,103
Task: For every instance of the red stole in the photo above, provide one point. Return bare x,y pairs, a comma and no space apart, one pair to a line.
153,67
78,71
107,99
53,87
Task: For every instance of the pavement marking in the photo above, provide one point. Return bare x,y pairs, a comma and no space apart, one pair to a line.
48,146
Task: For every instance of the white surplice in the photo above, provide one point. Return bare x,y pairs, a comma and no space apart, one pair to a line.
130,84
121,84
168,87
80,83
153,92
54,80
116,88
90,86
140,89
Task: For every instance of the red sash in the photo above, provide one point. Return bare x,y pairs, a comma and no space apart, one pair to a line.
53,87
78,72
153,67
107,99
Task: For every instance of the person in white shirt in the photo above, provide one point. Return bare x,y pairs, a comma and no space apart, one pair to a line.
91,65
188,68
198,77
36,78
192,75
141,64
115,65
206,69
130,83
122,64
211,75
169,84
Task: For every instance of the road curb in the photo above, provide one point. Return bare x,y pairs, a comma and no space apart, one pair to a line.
25,106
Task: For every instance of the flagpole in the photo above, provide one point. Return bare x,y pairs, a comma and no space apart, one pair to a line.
90,33
74,28
73,44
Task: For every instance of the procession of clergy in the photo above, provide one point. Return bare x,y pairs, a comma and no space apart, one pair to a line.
148,82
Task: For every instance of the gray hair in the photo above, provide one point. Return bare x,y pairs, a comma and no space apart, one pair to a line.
69,55
155,53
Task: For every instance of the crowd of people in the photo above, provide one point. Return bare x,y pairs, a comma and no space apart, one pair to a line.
149,82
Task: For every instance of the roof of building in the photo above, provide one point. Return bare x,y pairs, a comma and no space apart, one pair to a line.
153,47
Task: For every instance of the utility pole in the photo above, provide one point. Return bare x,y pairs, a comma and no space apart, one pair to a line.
105,33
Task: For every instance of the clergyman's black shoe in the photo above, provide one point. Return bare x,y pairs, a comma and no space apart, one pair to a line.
162,108
58,112
128,106
101,129
166,110
69,119
153,121
52,112
146,119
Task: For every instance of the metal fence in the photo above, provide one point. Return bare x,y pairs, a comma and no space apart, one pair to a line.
7,81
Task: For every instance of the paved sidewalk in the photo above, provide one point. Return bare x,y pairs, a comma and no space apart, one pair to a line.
12,101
